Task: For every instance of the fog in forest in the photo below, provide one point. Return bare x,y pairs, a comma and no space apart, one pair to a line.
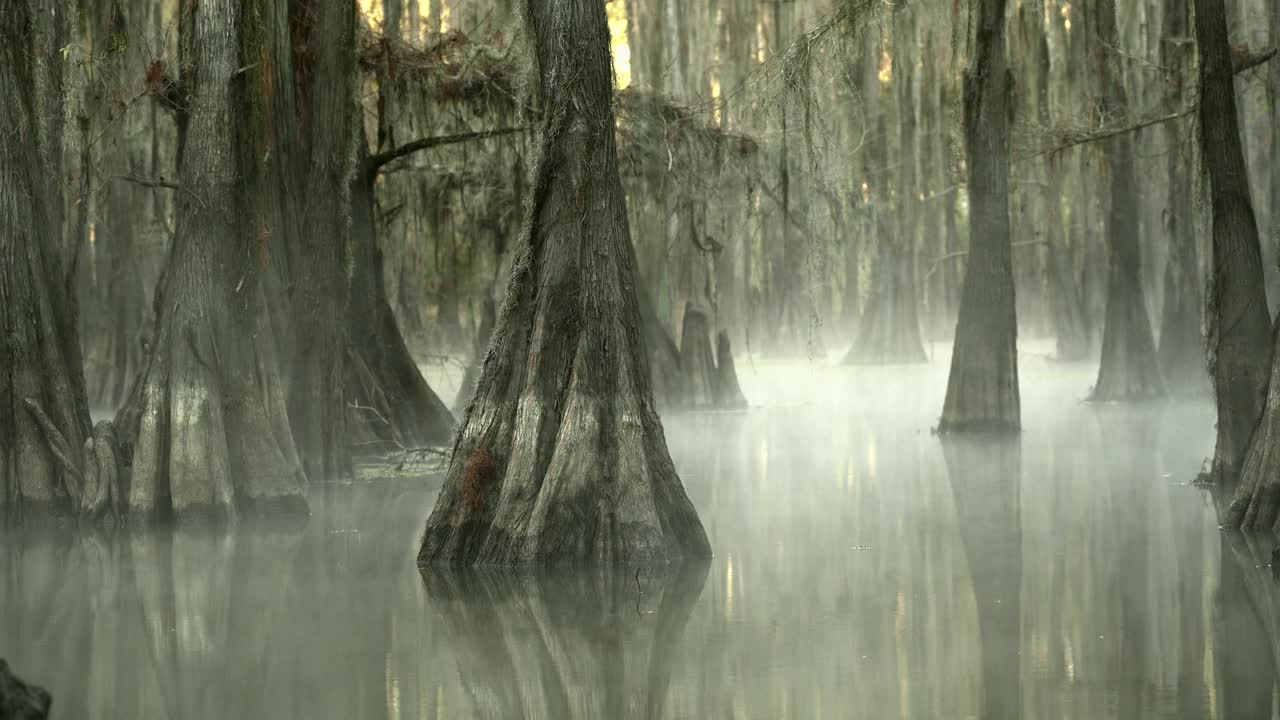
639,358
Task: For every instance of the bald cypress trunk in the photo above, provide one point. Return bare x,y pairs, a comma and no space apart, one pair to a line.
390,404
561,456
207,421
982,392
1129,369
324,60
44,416
1239,323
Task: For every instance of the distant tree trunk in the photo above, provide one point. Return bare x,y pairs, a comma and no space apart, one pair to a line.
118,269
696,357
207,421
488,318
1182,356
982,392
1239,323
324,52
44,415
1065,304
561,456
392,406
728,392
889,331
1129,369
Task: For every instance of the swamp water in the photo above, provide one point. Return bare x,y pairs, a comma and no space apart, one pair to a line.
863,568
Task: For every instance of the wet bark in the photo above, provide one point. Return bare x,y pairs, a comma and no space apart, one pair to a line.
1239,323
1182,353
20,700
561,456
982,391
1129,369
206,422
44,416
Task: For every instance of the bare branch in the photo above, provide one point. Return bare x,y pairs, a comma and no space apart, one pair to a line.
147,182
375,162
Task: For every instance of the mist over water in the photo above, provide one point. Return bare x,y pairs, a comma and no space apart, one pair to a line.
863,568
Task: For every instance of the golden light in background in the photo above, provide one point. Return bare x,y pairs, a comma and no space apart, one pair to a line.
1066,16
372,11
886,67
617,11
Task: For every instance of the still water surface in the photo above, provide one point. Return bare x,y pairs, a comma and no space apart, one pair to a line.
863,568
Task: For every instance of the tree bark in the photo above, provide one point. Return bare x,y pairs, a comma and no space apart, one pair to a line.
207,422
1239,323
982,392
1129,369
390,404
319,286
561,456
44,416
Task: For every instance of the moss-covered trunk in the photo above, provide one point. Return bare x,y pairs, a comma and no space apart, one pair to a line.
561,456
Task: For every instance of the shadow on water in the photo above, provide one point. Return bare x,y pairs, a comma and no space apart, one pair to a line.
589,644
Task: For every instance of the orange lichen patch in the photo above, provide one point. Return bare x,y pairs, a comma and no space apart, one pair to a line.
479,475
155,76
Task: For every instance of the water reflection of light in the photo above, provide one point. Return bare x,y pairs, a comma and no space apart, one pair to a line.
871,457
728,586
393,690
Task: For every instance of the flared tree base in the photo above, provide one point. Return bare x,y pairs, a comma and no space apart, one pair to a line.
20,700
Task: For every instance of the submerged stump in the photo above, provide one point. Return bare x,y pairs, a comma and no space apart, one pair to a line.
561,457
